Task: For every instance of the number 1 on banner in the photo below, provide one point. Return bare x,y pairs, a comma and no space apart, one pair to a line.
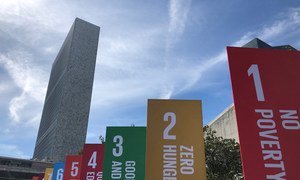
253,70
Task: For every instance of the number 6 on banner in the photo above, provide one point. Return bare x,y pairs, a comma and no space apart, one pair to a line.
60,174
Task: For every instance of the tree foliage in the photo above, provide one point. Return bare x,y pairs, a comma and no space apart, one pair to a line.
222,157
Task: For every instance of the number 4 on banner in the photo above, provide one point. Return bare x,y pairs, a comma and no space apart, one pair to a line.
93,160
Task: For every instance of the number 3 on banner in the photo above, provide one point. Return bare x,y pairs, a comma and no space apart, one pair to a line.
253,70
118,151
93,160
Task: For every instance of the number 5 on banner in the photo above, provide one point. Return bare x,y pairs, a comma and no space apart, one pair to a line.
74,169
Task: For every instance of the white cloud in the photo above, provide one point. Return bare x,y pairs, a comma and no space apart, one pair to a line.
30,79
5,87
289,23
130,81
31,22
178,13
10,150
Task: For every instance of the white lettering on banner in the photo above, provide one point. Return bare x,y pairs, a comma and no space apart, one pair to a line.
169,162
187,160
270,144
253,70
74,169
91,176
116,172
93,160
60,174
186,153
99,175
170,126
290,119
118,150
130,169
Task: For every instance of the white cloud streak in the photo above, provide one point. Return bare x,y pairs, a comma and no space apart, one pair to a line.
290,23
12,151
178,13
31,81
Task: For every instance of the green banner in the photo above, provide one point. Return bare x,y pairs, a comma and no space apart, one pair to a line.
125,149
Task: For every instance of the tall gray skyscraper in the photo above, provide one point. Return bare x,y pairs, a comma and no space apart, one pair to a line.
65,115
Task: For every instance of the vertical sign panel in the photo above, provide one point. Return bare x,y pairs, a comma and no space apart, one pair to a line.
125,153
266,90
41,176
73,167
48,174
58,171
175,147
92,161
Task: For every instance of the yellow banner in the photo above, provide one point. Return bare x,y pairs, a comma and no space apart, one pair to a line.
175,144
48,174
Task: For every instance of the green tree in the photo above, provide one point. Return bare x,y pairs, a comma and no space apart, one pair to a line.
222,157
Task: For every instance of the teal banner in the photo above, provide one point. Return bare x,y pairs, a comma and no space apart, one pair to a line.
125,149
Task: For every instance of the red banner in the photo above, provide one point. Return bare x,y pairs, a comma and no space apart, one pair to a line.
73,167
266,90
41,176
92,162
35,178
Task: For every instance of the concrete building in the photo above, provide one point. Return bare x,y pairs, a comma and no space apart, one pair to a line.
225,124
21,169
65,114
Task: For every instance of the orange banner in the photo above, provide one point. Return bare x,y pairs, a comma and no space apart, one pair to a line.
175,144
48,174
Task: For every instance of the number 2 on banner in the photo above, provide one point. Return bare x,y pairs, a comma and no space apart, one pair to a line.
170,126
93,160
253,70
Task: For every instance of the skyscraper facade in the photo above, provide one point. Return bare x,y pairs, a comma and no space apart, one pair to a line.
66,109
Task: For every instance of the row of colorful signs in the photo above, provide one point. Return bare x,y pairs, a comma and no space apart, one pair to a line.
174,148
266,89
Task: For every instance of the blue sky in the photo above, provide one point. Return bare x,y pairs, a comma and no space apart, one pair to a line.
147,50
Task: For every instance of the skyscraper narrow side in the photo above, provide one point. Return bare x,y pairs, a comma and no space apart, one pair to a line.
66,110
